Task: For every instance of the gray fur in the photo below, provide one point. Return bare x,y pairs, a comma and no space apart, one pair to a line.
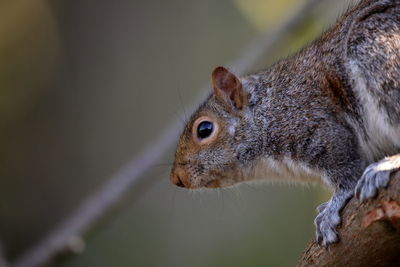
328,218
375,176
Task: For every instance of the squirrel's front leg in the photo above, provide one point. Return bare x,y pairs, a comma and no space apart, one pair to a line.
375,176
343,177
328,218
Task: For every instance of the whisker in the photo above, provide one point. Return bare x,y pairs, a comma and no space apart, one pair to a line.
204,164
221,194
163,164
182,105
238,194
255,188
172,206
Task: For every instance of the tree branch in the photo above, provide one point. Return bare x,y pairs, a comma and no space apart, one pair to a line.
369,234
94,206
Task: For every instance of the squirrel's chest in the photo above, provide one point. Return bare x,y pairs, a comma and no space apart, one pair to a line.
284,169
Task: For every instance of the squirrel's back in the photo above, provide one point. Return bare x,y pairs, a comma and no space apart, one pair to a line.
354,73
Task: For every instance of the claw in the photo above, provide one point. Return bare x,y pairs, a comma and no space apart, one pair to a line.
375,176
326,223
321,207
329,218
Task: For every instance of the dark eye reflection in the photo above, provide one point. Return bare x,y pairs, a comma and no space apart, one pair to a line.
205,129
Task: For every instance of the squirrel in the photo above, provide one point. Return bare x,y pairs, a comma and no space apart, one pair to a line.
329,113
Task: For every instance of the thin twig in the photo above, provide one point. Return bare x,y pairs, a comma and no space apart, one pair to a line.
91,209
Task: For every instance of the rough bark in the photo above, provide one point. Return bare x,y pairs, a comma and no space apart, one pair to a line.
369,234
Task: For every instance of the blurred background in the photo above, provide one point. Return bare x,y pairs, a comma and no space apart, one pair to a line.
86,85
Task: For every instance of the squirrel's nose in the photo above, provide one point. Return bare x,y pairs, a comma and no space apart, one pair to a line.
178,176
176,180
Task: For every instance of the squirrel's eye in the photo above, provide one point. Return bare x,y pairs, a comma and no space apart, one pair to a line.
205,129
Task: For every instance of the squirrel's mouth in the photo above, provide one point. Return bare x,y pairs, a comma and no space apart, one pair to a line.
222,182
213,184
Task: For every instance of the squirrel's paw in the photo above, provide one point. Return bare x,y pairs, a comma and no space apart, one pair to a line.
375,176
328,218
326,223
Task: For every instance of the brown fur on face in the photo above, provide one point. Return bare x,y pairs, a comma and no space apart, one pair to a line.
212,163
190,169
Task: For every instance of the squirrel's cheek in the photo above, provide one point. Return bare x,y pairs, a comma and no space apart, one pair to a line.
232,126
231,130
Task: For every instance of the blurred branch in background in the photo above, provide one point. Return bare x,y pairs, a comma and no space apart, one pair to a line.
65,236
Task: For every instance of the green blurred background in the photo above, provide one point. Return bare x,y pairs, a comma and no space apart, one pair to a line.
86,85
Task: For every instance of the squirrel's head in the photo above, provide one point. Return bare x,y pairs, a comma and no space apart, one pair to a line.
210,148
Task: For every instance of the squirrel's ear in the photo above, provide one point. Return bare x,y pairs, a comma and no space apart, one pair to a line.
228,88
